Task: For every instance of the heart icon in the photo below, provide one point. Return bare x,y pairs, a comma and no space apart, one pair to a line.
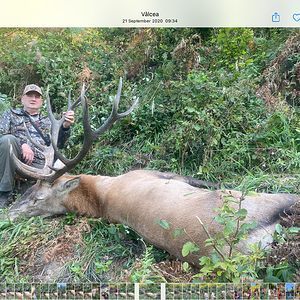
296,17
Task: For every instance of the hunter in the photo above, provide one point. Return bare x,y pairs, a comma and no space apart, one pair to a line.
12,129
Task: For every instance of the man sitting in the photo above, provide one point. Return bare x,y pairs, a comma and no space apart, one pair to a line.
12,129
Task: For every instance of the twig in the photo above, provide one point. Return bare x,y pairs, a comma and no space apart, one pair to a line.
237,225
214,244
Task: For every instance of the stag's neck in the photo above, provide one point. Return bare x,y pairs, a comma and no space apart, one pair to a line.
86,198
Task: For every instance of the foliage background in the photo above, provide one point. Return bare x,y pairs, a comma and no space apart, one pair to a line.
209,105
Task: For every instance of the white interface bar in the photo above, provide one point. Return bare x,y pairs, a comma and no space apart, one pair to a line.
150,13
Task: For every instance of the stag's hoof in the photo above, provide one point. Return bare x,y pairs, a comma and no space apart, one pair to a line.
5,199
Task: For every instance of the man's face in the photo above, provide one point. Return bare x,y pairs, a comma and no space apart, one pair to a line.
32,102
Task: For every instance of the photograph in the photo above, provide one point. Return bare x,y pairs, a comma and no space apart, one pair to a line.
162,152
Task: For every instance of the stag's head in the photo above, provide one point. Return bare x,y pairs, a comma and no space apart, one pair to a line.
46,197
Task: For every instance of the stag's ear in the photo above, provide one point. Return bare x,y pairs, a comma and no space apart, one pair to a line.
69,185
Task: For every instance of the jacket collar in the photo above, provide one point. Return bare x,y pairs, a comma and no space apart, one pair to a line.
23,112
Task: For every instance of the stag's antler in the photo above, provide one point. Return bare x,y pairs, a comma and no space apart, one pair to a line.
49,173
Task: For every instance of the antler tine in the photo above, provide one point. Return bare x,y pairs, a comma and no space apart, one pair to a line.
117,97
55,123
85,116
89,135
71,106
69,100
78,101
114,116
87,132
124,114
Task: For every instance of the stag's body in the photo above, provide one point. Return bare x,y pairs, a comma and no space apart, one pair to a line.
140,198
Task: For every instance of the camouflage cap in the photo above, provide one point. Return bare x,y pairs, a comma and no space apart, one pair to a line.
32,88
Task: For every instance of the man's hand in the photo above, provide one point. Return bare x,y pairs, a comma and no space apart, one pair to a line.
69,119
27,154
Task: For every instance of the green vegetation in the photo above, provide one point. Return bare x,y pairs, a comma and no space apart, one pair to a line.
234,265
216,104
201,110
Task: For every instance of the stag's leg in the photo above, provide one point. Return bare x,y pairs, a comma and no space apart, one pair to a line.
193,181
197,182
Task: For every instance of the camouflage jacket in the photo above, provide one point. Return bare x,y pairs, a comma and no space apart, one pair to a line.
12,122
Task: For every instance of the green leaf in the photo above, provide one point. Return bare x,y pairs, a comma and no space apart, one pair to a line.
186,248
272,279
112,230
194,249
278,228
253,194
269,271
221,241
163,224
190,109
209,240
4,224
248,225
236,279
241,233
230,199
206,270
185,266
217,235
294,229
229,228
241,269
219,219
204,260
241,213
189,194
177,232
197,127
215,257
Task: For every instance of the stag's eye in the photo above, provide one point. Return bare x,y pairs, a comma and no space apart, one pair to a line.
36,199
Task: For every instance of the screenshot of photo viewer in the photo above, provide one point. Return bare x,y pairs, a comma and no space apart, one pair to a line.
196,57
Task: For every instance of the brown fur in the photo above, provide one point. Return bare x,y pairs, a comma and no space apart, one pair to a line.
85,198
141,198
